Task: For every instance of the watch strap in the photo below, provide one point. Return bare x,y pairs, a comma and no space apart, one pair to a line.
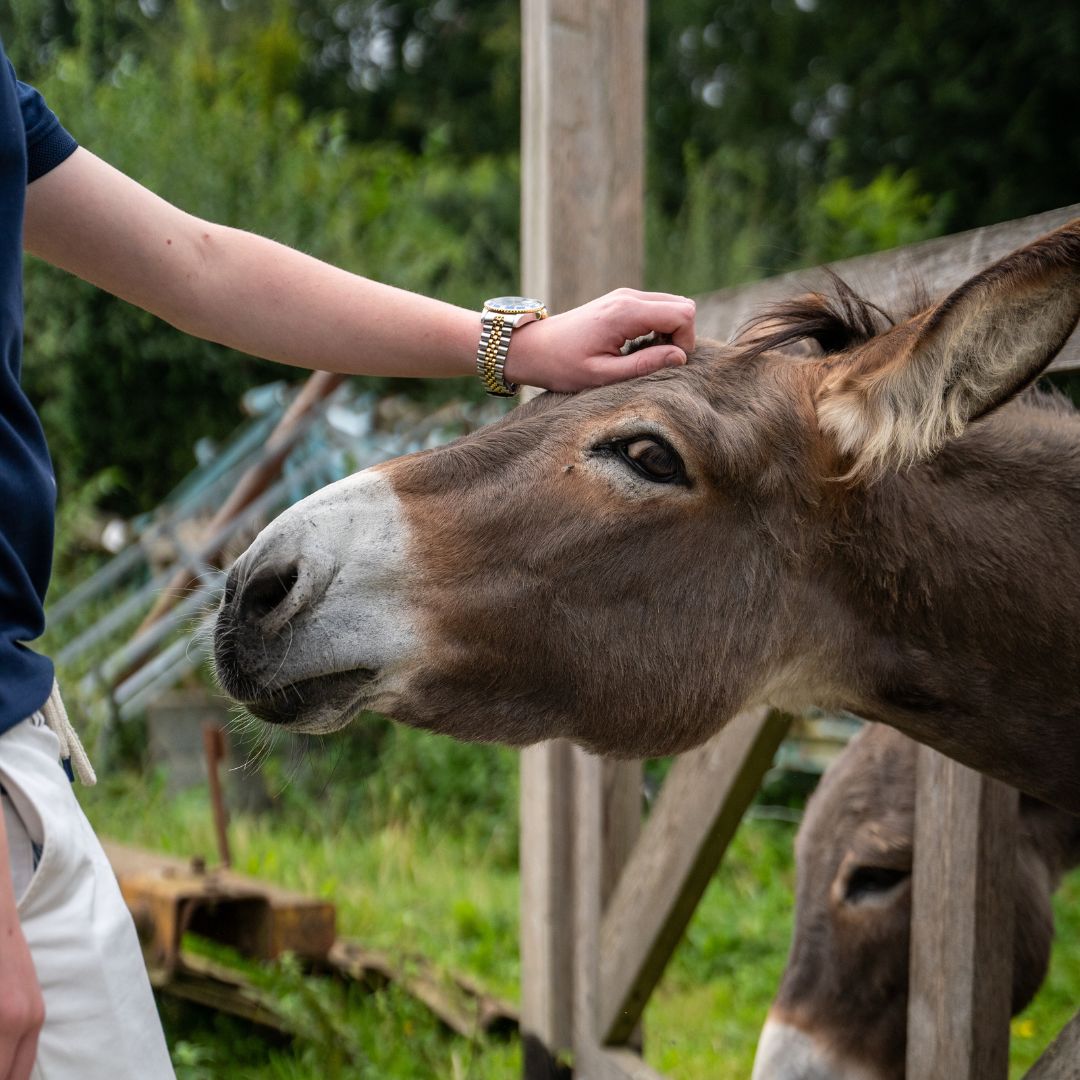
491,354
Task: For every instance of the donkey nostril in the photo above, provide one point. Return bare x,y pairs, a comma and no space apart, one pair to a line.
266,590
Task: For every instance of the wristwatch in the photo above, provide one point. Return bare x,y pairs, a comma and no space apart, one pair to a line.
500,317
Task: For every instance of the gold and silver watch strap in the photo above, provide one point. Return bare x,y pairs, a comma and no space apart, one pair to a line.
495,333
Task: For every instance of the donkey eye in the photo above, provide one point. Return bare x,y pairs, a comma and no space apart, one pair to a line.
652,458
867,882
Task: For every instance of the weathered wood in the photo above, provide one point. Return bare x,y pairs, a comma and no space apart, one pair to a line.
963,911
888,277
582,153
583,94
454,999
222,988
691,824
588,873
605,1063
547,911
1061,1059
318,387
621,810
622,786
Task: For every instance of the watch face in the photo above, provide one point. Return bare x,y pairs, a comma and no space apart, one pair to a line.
512,305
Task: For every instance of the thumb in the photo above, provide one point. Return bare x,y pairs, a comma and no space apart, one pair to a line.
655,357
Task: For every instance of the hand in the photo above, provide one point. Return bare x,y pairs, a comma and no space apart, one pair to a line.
582,347
22,1010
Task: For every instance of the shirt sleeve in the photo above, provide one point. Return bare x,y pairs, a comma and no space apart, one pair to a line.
47,143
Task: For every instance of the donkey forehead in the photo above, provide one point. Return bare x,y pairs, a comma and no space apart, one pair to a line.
864,803
729,414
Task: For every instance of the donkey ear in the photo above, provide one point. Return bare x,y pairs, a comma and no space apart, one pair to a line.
903,395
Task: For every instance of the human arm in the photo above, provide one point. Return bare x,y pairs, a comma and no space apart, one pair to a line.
22,1010
269,300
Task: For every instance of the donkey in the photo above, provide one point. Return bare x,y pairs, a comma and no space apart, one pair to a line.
841,1010
875,528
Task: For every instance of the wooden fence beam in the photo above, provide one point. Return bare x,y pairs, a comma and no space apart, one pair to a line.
962,920
695,816
887,277
1061,1059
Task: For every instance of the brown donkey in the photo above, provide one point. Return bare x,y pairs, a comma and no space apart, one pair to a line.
872,528
841,1010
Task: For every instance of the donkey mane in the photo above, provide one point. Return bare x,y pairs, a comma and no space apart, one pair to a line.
835,321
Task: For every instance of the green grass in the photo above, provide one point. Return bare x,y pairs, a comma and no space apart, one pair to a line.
436,874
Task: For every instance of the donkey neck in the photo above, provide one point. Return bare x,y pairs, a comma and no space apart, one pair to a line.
966,575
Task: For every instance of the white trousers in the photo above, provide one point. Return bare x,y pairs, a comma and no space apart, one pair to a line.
101,1022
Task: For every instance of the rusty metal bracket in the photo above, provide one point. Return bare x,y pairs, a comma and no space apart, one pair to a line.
168,897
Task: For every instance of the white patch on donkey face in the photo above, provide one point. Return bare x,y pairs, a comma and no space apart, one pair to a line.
785,1052
348,610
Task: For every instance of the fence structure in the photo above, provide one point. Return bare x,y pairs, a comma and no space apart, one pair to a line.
606,897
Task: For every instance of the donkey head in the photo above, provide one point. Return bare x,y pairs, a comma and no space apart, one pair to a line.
841,1010
632,565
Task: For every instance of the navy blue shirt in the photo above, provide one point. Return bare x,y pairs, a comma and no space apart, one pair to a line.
31,143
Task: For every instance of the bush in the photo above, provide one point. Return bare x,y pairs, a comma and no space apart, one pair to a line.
212,130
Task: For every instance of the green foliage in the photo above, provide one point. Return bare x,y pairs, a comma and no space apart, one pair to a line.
383,137
889,212
415,886
395,777
210,129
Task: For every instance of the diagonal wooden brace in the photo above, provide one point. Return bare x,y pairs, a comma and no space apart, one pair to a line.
696,814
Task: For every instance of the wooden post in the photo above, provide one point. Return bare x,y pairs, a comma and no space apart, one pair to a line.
547,909
963,911
583,103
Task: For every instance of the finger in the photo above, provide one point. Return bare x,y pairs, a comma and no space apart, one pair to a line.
672,317
643,362
22,1065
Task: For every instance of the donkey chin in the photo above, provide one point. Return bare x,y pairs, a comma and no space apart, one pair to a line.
317,706
786,1052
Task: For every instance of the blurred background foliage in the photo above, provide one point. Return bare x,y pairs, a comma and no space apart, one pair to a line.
382,135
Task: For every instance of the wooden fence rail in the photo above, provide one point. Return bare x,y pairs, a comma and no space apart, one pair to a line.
602,910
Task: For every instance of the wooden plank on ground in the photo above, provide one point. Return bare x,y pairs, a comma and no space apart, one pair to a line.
217,986
888,277
685,836
1061,1059
458,1002
963,912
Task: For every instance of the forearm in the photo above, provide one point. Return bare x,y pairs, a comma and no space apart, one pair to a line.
236,288
251,290
266,299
